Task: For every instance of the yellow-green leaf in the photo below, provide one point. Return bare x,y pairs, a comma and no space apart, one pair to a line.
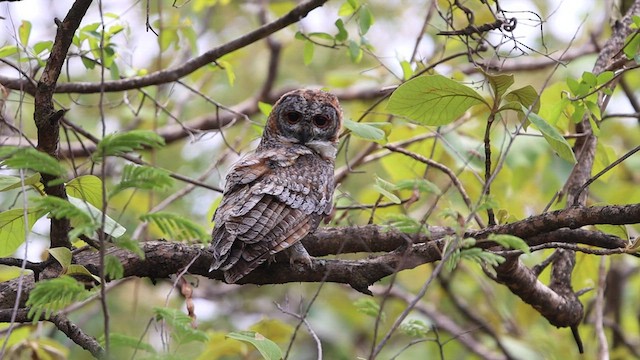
433,100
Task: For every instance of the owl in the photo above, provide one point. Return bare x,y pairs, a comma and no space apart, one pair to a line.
278,194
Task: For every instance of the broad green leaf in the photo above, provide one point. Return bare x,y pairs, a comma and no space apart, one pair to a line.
41,46
219,347
24,31
62,255
122,340
590,79
307,53
120,143
8,50
604,77
12,228
346,9
510,242
615,230
526,96
276,330
79,271
265,108
267,348
177,227
433,100
384,188
342,34
86,187
368,131
49,296
111,227
421,185
321,35
407,70
355,52
500,83
8,182
228,70
365,19
553,137
32,159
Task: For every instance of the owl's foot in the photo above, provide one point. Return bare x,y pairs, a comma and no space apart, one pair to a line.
299,257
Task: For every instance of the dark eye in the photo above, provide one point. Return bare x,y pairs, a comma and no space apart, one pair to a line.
321,121
293,117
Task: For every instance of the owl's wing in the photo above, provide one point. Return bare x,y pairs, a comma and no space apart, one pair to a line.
271,201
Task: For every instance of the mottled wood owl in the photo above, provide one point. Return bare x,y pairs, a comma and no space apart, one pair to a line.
278,194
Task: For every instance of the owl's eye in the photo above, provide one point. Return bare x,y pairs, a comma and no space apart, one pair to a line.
321,121
293,117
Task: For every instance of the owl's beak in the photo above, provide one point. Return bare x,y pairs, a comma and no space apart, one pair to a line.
306,133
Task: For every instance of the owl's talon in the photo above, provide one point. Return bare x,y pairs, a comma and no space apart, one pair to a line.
299,257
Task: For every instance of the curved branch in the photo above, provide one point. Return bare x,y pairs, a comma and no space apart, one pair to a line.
173,74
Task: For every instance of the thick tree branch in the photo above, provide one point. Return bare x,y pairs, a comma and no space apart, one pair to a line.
47,119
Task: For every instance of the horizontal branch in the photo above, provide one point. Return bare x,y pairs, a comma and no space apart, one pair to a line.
173,74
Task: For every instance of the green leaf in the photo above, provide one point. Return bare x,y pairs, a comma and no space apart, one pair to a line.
369,307
228,69
342,34
404,223
113,267
126,341
384,187
500,84
62,255
307,53
265,108
355,52
41,46
615,230
553,137
127,243
421,185
590,79
31,159
79,271
604,77
181,325
525,96
8,182
407,70
111,227
415,328
58,209
321,35
8,50
12,228
365,19
24,31
124,142
480,256
177,227
49,296
368,131
142,177
86,187
433,100
346,9
510,242
267,348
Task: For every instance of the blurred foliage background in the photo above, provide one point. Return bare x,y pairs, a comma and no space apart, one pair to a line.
464,314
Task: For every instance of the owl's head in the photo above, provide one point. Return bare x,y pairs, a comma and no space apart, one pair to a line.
306,117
